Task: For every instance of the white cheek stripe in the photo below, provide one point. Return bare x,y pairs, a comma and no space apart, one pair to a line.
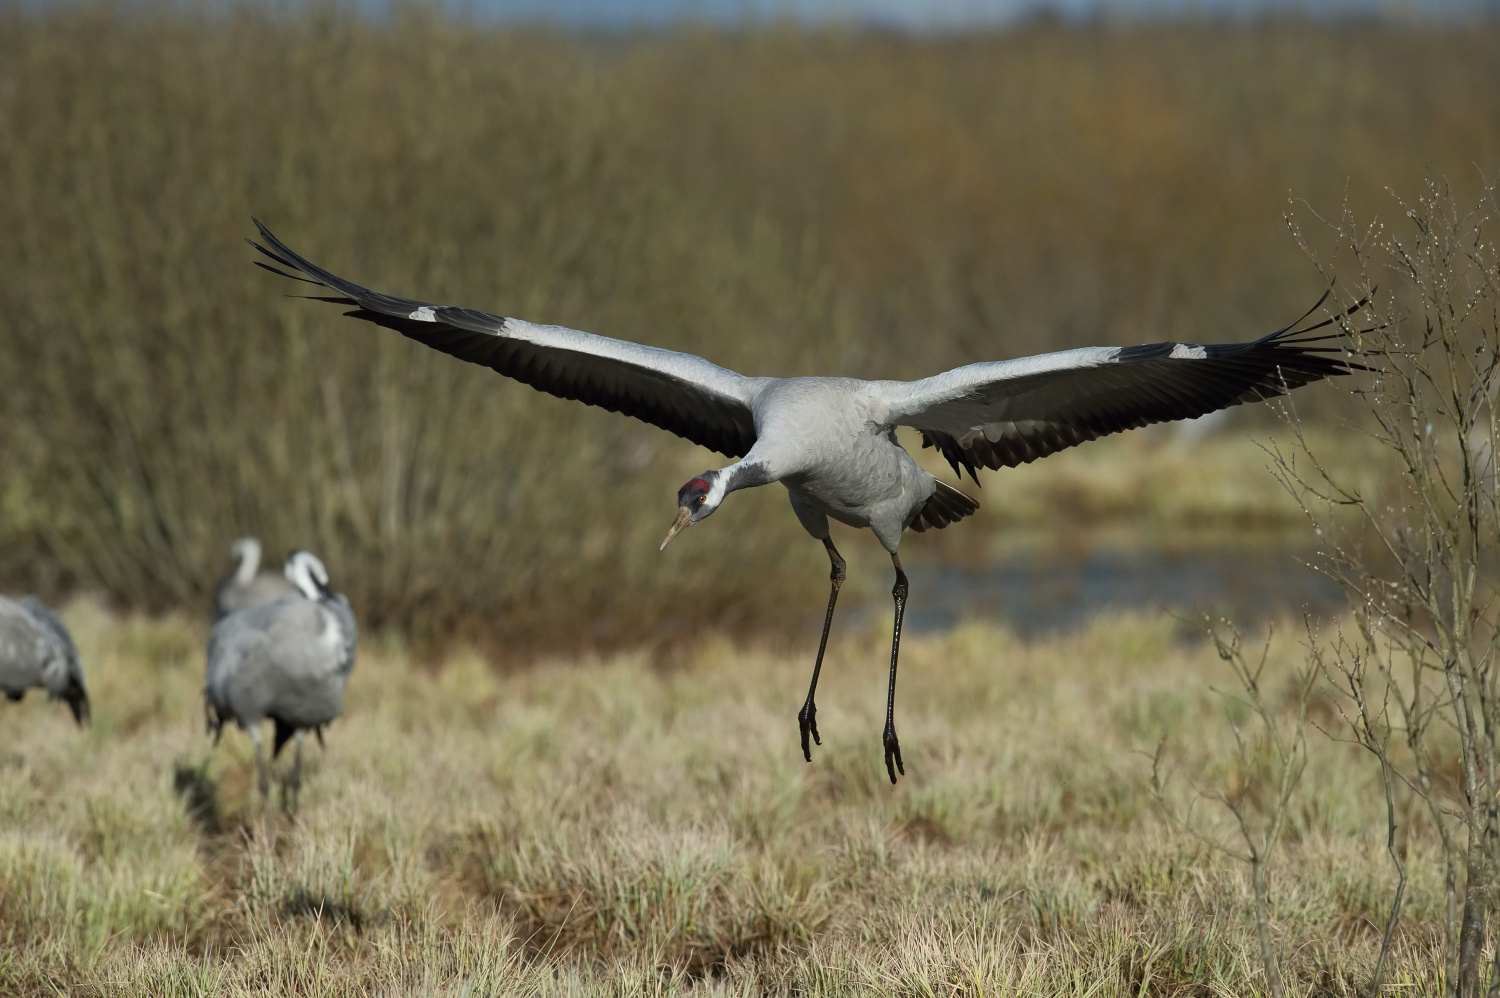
718,490
1188,351
424,314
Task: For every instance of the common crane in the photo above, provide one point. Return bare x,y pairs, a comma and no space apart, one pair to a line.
37,651
246,586
287,660
832,441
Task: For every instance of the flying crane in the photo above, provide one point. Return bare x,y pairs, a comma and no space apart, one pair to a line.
832,441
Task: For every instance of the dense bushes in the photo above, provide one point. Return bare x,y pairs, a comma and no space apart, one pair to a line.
782,202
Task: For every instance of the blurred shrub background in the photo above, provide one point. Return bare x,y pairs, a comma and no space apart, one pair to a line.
783,201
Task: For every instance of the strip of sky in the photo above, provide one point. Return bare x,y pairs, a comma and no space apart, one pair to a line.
938,16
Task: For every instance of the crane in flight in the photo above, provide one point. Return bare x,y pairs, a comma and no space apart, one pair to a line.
832,441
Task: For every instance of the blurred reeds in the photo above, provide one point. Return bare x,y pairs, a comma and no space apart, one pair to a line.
780,201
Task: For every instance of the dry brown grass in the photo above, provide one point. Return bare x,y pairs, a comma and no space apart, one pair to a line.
622,826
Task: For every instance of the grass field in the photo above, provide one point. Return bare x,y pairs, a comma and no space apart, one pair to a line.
629,826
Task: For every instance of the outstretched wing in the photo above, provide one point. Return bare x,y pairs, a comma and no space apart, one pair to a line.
679,392
1003,414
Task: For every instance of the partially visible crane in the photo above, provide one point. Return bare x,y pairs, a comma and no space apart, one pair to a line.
832,441
288,661
246,586
37,651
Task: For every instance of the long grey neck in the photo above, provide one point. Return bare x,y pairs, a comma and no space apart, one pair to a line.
745,474
249,562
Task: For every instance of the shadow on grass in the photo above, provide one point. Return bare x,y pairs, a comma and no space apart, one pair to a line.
200,797
304,903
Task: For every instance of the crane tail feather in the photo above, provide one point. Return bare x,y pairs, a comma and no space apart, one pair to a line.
946,505
284,732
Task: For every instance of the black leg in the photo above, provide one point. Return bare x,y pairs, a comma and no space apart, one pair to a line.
807,717
292,788
892,745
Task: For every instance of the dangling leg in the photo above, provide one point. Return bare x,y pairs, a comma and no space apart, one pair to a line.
262,773
807,717
263,780
892,745
293,786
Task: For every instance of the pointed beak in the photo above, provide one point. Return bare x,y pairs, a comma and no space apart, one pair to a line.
684,517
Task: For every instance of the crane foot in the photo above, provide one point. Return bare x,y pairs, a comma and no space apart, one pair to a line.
807,720
893,752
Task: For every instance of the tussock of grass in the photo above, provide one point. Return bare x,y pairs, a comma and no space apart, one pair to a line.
617,825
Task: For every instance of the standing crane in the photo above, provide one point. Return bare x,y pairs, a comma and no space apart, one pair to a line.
246,586
832,441
288,660
36,650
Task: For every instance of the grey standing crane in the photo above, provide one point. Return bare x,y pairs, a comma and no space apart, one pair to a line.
247,586
832,441
287,660
37,651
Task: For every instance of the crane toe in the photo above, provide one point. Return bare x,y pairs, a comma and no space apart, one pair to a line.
893,752
807,720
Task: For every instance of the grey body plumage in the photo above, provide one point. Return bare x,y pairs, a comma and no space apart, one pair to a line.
36,651
287,661
247,586
832,441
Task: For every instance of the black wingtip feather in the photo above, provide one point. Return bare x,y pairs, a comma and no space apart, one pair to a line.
1285,330
278,257
281,273
1290,331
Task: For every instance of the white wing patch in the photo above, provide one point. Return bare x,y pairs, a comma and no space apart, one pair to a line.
424,314
1188,351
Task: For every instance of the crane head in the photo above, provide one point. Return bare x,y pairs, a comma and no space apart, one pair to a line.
696,501
305,571
246,552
